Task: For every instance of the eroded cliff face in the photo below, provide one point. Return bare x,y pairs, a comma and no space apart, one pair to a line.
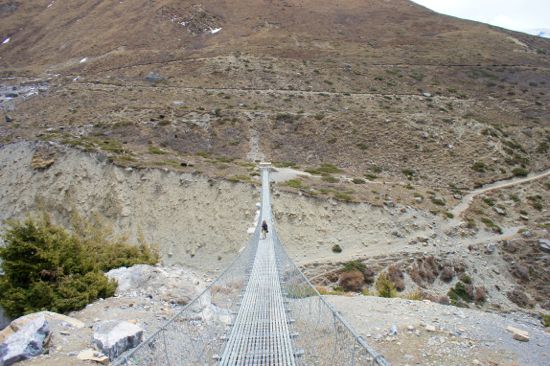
194,221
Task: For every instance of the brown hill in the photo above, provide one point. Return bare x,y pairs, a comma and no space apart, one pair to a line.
383,88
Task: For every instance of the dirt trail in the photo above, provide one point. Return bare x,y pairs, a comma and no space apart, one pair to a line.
468,199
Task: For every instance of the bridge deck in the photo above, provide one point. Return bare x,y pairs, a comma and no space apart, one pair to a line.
260,334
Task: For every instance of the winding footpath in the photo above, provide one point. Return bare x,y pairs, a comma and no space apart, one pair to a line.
468,199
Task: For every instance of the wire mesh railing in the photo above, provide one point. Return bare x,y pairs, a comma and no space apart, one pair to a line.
196,335
321,334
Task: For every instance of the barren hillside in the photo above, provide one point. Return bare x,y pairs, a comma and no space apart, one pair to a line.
384,85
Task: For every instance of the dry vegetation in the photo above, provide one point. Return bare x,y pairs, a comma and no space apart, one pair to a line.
317,82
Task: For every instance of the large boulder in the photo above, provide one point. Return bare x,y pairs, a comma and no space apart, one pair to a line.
173,284
26,342
114,337
51,317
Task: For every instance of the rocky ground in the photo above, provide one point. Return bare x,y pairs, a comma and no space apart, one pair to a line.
432,334
407,332
147,297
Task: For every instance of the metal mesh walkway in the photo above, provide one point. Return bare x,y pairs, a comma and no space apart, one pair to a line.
261,310
260,335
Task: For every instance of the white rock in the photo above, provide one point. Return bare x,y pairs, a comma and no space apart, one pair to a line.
166,284
26,342
430,328
518,334
114,337
93,355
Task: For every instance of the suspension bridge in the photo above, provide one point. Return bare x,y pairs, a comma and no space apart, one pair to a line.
261,311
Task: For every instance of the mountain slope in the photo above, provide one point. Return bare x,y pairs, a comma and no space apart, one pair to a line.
383,85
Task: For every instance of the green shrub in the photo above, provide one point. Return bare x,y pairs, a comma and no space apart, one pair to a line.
329,179
46,267
479,166
358,181
375,169
520,172
156,150
409,173
385,287
341,196
324,169
461,291
438,201
286,164
355,266
466,279
294,183
488,201
491,225
546,320
336,248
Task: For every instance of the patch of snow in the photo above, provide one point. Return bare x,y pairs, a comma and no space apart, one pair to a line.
214,31
7,40
50,4
183,23
84,60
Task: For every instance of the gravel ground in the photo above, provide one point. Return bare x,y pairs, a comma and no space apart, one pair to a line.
461,336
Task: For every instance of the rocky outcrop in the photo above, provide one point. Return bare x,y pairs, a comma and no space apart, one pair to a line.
175,285
114,337
26,342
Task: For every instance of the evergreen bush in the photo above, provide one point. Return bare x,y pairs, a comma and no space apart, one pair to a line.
46,267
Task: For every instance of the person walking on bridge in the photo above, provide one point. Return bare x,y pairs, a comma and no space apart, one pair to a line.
264,229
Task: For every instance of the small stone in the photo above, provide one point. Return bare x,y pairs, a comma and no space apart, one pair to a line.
518,334
544,245
93,355
410,328
490,248
476,362
65,333
499,211
430,328
153,77
393,330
